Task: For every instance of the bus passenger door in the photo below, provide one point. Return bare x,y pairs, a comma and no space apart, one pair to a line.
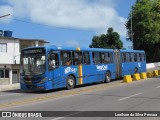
88,69
98,68
127,65
81,60
55,72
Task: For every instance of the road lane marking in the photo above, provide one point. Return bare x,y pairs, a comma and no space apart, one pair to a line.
8,94
129,96
58,118
158,87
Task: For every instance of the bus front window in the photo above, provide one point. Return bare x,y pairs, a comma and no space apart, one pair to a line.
33,65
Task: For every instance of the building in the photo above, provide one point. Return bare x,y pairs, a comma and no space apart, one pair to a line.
10,48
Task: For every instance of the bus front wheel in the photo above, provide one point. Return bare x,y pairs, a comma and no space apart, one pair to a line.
70,82
108,77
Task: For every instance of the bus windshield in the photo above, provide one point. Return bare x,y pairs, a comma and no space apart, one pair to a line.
33,64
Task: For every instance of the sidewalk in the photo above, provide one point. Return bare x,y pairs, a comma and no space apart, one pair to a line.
9,87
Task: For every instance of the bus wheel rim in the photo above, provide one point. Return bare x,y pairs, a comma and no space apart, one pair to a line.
108,78
70,82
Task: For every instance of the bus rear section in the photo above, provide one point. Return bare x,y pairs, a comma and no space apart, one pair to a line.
132,61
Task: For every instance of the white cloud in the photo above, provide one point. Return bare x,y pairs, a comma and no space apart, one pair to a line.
4,10
96,15
71,43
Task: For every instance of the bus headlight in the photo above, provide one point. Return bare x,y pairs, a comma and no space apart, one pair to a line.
43,80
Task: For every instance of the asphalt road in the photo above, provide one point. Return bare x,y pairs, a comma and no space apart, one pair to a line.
140,95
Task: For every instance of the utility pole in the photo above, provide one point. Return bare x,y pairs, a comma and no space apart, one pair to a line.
5,15
132,26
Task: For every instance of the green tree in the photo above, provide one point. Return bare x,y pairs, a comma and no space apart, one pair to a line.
145,28
109,40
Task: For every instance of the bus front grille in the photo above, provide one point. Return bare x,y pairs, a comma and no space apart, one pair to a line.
31,80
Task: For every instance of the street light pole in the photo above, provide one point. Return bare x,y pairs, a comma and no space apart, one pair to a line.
131,26
5,15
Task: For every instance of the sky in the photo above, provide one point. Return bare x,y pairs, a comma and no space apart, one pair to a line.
65,22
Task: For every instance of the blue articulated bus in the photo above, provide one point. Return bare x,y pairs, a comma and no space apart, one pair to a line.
52,67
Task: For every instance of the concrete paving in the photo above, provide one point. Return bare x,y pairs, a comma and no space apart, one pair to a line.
142,95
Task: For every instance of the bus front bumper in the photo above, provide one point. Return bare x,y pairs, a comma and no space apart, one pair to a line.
36,87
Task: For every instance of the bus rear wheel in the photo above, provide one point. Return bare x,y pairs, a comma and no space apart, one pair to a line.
70,82
108,77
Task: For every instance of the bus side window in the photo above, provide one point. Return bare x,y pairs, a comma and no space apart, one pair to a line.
135,57
128,57
143,56
111,57
77,58
108,57
96,57
140,57
132,57
124,57
102,58
66,58
86,58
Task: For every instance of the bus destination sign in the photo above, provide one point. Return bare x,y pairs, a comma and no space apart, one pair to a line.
34,51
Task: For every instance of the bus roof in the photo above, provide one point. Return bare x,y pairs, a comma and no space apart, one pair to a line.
76,48
53,47
132,51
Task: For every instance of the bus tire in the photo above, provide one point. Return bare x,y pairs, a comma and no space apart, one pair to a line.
70,82
135,70
108,77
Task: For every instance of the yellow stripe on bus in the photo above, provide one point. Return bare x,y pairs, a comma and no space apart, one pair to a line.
80,73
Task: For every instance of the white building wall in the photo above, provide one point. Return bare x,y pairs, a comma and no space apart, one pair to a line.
4,81
12,51
16,53
10,60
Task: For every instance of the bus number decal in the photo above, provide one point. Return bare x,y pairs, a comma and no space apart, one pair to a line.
102,67
69,69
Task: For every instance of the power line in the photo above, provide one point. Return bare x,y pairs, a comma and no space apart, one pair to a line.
69,28
5,15
132,25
